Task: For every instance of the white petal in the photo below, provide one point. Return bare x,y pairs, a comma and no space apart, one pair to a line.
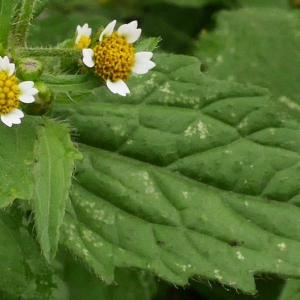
118,87
142,63
88,55
130,31
13,117
143,55
144,68
27,91
6,66
83,31
109,29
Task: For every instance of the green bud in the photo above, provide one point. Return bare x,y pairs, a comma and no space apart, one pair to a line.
29,69
43,100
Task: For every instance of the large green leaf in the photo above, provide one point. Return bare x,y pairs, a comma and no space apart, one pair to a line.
248,47
55,155
221,134
129,214
24,272
175,194
16,160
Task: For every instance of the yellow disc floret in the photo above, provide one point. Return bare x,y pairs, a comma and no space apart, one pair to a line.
83,42
9,92
114,58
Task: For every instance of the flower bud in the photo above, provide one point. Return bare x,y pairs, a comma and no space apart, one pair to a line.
29,69
43,100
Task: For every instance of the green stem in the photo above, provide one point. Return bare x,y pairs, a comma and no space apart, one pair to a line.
54,52
25,16
7,10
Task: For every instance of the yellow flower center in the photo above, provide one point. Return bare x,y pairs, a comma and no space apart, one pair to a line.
114,58
9,92
83,42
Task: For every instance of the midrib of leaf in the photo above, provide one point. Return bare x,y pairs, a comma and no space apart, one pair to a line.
40,207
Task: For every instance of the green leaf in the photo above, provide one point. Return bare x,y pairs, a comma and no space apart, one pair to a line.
291,290
129,284
24,272
185,190
38,7
226,135
16,161
259,56
147,44
7,9
71,84
55,155
129,214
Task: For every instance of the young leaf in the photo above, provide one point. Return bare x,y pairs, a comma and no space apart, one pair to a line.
147,44
55,155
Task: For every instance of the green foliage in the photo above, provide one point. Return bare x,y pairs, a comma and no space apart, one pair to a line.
260,58
191,180
157,213
55,155
24,272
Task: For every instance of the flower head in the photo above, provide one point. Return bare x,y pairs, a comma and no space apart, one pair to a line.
114,57
83,37
12,93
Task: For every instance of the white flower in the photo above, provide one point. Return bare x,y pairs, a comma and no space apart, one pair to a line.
12,93
114,58
13,117
83,37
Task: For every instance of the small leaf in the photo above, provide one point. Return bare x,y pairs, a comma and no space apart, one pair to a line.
55,155
147,44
